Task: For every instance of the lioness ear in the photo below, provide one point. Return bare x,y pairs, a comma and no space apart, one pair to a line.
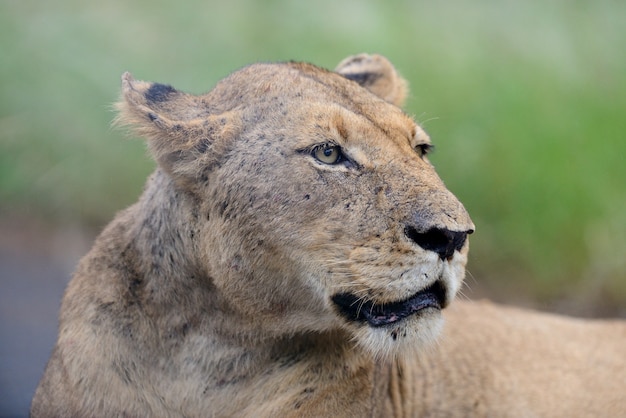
377,74
183,137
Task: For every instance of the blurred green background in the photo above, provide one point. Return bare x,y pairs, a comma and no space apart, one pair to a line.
525,101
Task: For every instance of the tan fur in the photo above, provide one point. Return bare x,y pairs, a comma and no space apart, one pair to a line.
217,293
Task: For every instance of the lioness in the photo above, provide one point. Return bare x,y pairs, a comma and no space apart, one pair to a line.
291,257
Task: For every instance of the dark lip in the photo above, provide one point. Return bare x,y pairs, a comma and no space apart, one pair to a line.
378,315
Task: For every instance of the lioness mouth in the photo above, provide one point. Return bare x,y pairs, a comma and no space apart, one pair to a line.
378,315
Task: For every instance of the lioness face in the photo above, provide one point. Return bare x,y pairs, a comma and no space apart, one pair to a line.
320,209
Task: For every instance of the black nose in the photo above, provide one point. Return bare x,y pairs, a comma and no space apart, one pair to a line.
442,241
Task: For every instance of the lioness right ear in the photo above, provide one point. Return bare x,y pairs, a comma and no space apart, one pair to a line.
182,135
377,74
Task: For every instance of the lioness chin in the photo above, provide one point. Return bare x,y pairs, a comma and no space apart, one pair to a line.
291,256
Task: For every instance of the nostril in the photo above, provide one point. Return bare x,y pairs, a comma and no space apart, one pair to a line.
442,241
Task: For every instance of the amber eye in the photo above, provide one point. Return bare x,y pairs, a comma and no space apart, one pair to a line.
328,154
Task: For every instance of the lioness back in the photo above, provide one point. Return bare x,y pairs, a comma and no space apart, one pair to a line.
291,256
495,361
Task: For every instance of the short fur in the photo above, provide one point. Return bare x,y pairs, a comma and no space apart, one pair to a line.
213,295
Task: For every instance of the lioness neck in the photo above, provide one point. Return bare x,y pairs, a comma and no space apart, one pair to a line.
191,344
157,242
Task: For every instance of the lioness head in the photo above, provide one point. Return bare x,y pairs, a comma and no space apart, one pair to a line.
318,208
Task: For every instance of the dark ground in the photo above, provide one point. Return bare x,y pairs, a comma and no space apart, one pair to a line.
35,265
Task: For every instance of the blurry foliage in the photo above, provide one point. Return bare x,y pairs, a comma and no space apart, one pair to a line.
526,102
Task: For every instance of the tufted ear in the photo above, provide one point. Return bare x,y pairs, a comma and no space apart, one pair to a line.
183,137
377,74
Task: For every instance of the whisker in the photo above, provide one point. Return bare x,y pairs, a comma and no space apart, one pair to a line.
363,301
462,295
425,121
356,286
471,276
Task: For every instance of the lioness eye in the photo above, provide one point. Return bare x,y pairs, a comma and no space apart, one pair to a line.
327,154
423,149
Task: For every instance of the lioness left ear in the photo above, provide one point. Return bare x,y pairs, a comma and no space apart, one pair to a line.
377,74
182,134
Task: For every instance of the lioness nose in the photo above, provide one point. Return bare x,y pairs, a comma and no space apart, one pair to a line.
440,240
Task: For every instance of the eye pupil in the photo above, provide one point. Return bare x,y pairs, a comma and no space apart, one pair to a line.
327,154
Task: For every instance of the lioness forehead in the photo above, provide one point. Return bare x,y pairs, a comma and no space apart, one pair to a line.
294,87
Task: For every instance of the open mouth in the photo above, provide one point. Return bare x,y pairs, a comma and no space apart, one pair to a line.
378,315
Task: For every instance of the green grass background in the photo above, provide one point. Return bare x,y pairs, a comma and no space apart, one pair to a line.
525,101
